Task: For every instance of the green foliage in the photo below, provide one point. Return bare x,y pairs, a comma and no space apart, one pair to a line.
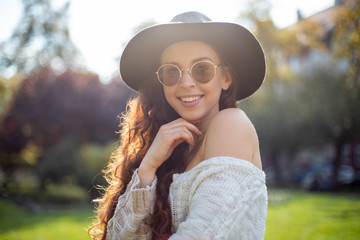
70,164
92,160
347,36
257,15
8,87
66,173
333,103
58,162
63,193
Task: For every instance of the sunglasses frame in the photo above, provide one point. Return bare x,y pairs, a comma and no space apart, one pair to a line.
188,69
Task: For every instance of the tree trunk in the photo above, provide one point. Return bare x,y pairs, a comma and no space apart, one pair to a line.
339,143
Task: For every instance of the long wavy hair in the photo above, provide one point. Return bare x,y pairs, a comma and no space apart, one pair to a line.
139,125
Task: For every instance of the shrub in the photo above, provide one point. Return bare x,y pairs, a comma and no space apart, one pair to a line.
63,194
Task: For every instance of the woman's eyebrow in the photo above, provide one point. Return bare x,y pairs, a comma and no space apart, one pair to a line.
201,59
193,61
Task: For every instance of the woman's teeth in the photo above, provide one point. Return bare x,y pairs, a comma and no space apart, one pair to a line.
190,99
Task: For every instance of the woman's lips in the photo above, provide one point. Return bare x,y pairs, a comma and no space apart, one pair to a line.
190,101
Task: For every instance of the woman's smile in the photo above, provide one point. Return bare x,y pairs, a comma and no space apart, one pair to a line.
190,101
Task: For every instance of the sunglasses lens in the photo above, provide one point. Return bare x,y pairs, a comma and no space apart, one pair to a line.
203,72
169,74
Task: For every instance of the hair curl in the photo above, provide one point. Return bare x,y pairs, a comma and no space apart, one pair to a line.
139,125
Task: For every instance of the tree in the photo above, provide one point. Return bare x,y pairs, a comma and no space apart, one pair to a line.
48,109
346,45
271,108
40,39
334,110
287,111
8,87
257,16
346,41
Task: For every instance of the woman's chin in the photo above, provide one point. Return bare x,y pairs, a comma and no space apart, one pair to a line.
193,121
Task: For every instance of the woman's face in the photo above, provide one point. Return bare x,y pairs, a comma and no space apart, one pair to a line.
194,101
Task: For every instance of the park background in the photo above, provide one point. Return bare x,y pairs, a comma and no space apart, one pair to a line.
58,122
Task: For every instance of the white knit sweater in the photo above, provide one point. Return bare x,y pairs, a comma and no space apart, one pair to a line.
220,198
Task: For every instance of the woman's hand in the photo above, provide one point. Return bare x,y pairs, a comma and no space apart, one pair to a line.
169,136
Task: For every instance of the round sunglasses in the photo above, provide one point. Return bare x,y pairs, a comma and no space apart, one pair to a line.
202,72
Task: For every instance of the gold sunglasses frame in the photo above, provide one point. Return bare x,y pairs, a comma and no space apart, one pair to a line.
188,69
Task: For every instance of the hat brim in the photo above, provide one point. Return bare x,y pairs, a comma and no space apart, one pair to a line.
141,57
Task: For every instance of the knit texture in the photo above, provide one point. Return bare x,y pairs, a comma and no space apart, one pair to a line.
220,198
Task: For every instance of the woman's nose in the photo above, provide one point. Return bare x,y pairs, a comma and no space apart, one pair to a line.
186,80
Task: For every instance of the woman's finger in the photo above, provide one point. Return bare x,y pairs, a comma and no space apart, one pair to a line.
181,122
182,133
169,136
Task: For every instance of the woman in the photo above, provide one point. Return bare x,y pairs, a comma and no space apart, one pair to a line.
189,164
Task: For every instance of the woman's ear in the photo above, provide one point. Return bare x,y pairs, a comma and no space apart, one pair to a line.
227,80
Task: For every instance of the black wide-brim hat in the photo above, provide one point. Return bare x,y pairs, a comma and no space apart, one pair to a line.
141,57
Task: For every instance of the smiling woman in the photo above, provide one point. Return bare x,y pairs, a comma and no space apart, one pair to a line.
189,165
194,96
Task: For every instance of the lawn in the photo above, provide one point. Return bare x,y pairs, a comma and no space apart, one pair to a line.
291,215
62,224
319,216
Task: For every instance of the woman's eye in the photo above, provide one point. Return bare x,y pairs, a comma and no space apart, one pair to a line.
171,70
201,67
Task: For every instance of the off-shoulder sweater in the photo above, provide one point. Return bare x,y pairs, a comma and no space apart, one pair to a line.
220,198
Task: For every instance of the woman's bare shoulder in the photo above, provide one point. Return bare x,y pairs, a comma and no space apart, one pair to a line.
230,113
230,120
231,133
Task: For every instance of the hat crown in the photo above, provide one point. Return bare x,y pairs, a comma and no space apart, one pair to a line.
190,17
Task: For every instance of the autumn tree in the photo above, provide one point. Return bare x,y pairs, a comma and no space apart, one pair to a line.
346,40
49,109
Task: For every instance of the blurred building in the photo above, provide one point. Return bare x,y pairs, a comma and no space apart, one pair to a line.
314,36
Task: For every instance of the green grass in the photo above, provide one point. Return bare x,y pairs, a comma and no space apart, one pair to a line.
302,215
18,224
291,215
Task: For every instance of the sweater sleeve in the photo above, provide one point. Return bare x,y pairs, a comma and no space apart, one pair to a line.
133,207
226,203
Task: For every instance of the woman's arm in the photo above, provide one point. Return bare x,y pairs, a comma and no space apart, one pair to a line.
137,202
133,207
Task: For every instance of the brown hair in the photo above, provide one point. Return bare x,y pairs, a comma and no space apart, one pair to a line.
140,124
